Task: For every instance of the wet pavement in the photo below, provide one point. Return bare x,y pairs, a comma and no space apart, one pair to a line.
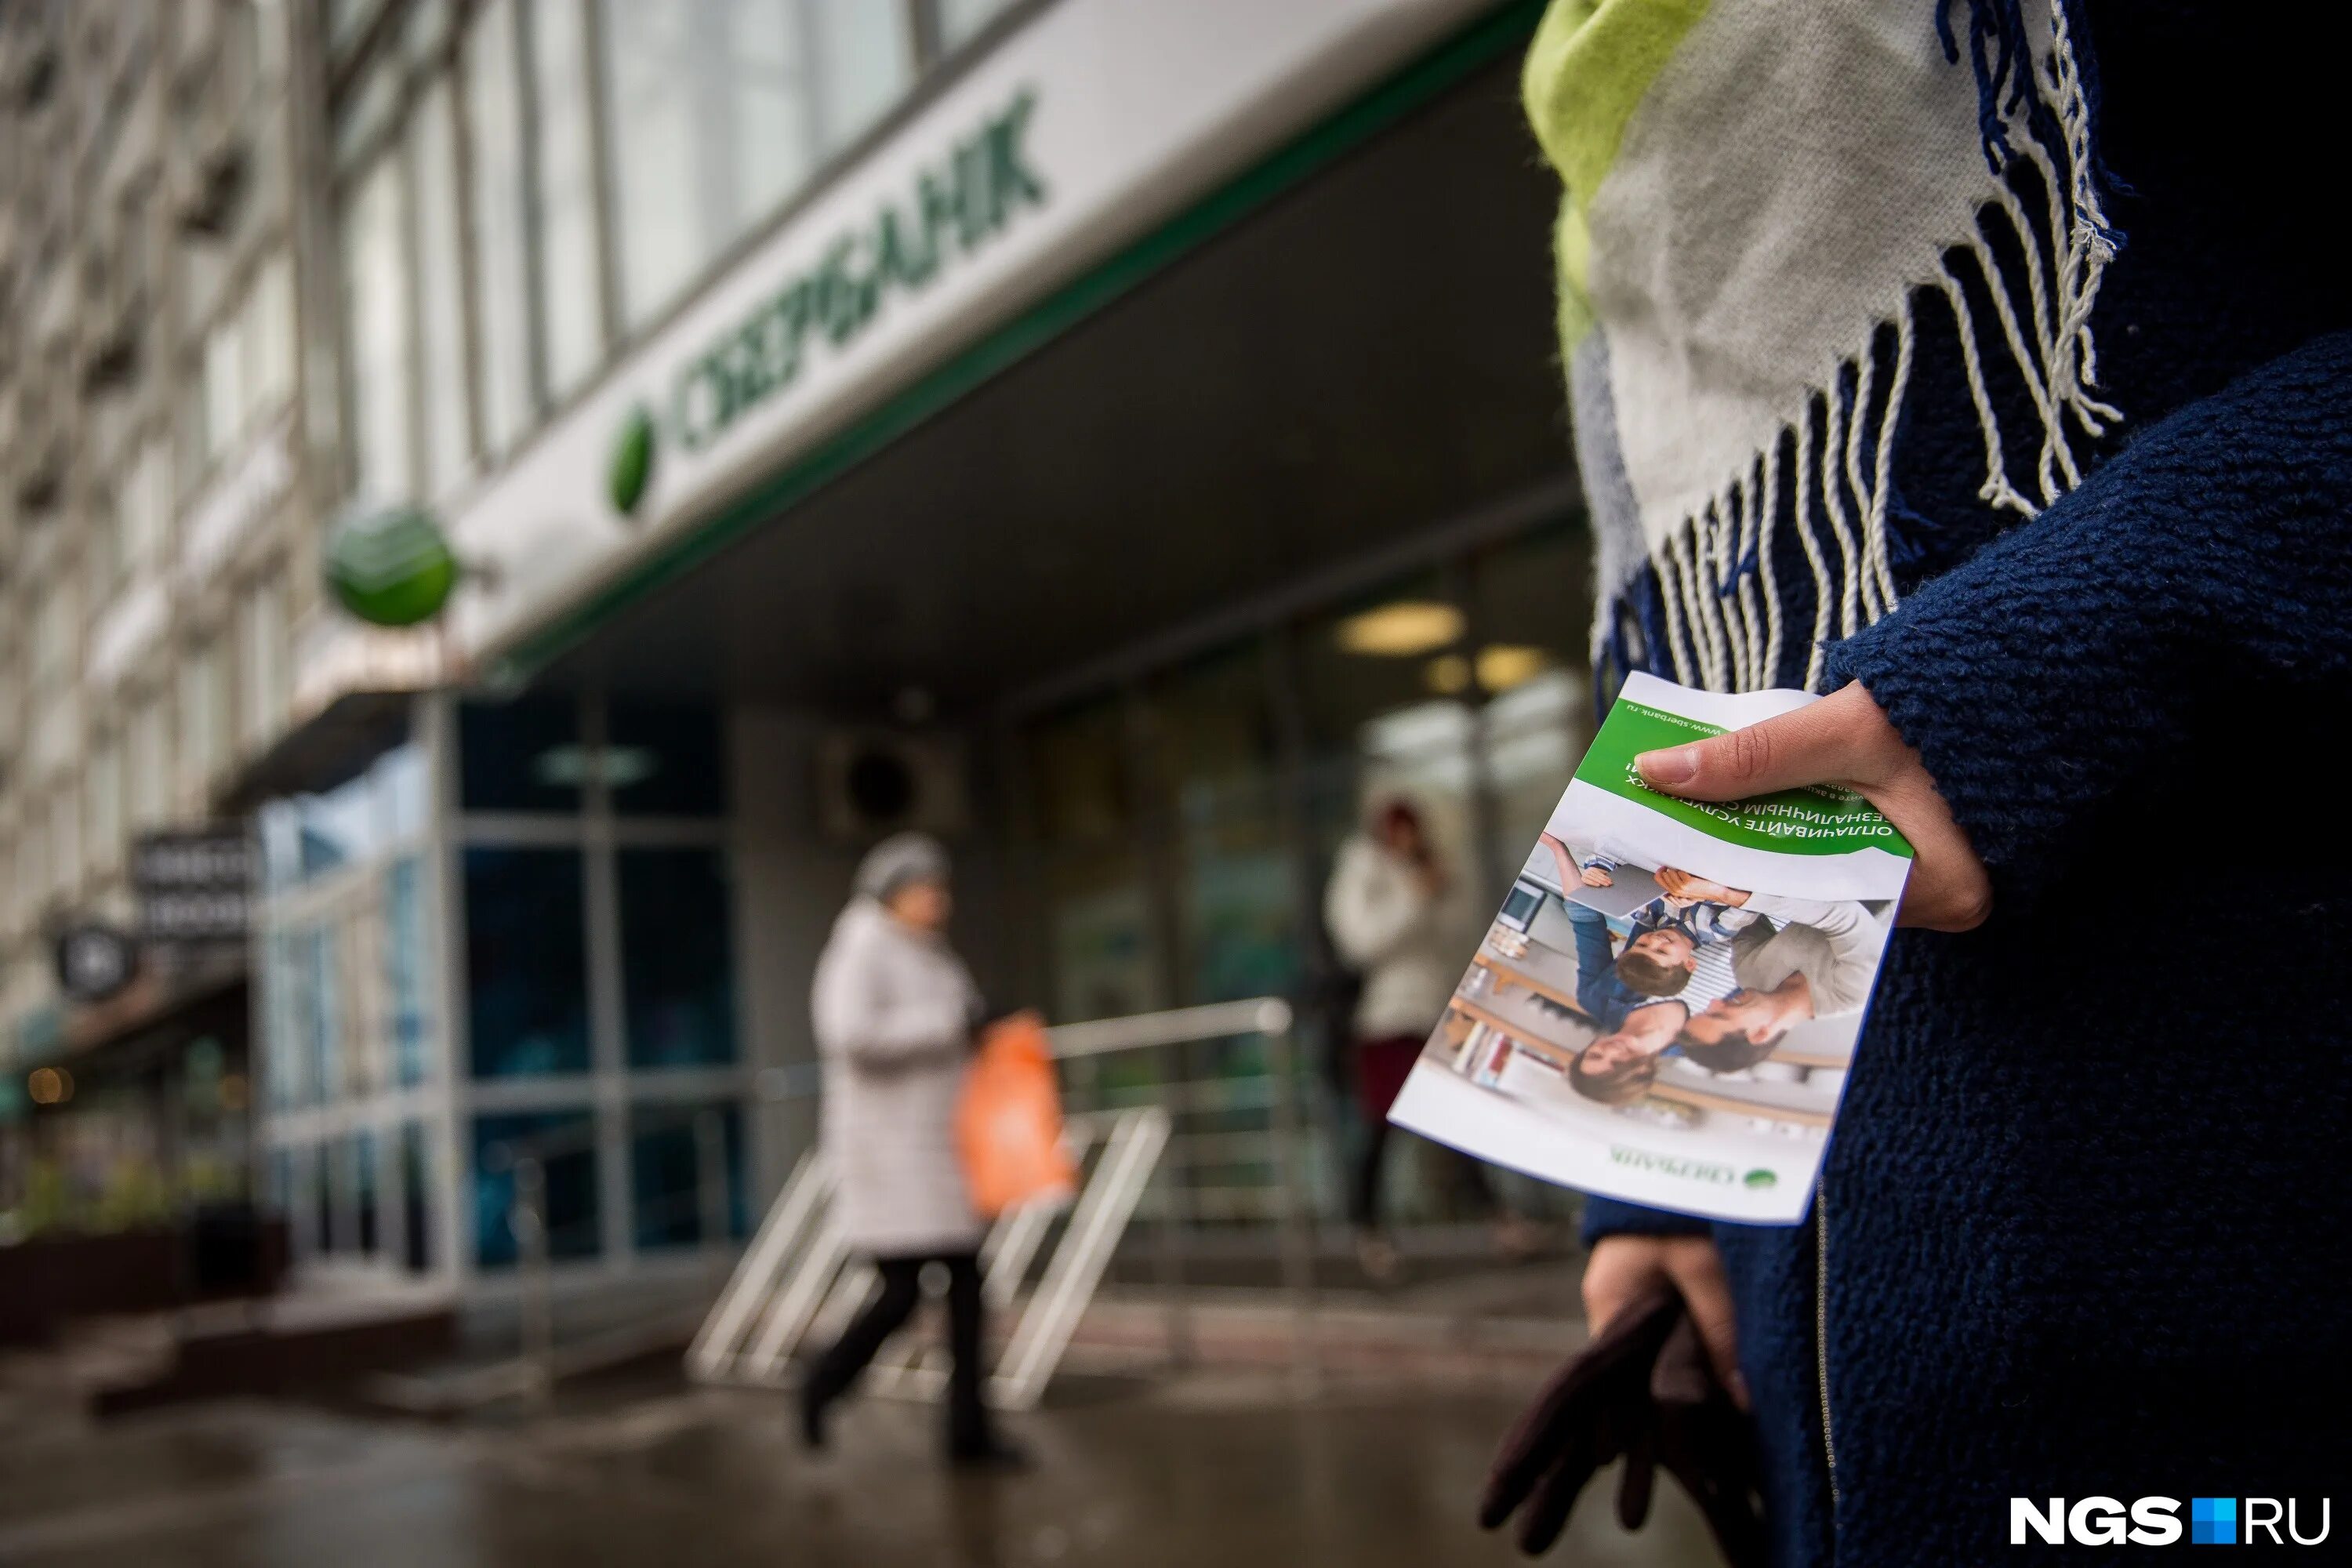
1210,1469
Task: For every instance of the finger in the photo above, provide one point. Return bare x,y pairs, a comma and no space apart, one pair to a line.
1948,890
1546,1516
1639,1480
1573,1411
1841,739
1681,1377
1570,1408
1698,1273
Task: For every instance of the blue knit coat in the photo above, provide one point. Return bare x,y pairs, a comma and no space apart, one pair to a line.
2084,1226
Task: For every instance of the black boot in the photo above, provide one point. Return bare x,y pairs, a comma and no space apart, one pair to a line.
814,1404
987,1451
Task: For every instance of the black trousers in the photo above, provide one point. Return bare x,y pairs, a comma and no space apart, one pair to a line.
888,1312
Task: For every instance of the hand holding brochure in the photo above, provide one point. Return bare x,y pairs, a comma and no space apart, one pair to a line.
1666,1007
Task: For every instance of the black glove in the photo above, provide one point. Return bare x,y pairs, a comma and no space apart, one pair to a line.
1645,1392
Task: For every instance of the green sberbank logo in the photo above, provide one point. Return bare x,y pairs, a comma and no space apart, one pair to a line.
1674,1165
953,209
632,468
390,566
1759,1178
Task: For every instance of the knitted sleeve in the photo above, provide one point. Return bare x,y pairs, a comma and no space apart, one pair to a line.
1605,1217
2087,649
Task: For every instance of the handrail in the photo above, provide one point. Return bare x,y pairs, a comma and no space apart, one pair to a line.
507,1153
1267,1016
1173,1027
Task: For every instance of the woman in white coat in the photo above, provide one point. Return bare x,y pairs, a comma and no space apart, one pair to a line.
1384,907
894,1013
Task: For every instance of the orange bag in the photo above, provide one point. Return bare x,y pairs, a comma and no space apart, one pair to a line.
1009,1121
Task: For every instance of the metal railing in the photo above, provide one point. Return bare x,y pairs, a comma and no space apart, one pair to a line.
710,1201
1225,1079
1241,1122
1129,1084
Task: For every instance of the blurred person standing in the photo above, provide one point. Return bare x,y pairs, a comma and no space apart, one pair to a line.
1384,907
895,1013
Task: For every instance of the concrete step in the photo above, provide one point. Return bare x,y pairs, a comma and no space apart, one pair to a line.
298,1343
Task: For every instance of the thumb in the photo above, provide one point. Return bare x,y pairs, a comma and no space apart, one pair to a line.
1815,745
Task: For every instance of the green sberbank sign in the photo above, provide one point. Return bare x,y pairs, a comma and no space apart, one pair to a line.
953,209
1819,819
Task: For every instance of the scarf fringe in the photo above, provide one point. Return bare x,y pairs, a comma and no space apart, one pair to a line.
1722,620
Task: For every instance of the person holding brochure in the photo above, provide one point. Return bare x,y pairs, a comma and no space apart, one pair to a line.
1932,355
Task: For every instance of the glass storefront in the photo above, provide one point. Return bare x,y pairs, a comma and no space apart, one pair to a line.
526,961
582,840
1177,831
351,1029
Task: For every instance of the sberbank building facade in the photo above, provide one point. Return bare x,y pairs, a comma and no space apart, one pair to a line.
1123,439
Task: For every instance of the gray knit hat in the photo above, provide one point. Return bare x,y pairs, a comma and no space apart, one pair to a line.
900,859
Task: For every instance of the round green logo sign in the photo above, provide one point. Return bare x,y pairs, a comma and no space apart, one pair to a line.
392,567
1760,1177
632,471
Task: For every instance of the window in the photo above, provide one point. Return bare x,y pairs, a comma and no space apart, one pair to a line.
441,293
143,510
651,93
308,837
32,865
375,285
865,60
566,1142
53,638
572,284
406,959
526,962
720,109
282,1059
247,368
523,755
270,337
415,1198
319,1012
680,1172
960,19
204,718
263,661
65,831
1093,877
1213,772
222,388
677,966
102,807
149,760
663,761
501,268
370,1222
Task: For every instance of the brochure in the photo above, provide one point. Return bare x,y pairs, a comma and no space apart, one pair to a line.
1665,1009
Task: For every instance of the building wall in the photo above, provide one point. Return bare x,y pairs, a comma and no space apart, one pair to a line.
153,562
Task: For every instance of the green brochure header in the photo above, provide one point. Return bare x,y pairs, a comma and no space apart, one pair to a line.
1819,819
